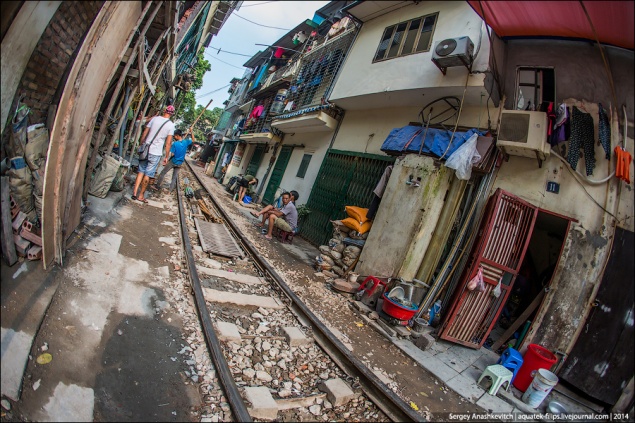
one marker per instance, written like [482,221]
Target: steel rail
[236,402]
[383,397]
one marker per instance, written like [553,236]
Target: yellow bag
[357,213]
[356,226]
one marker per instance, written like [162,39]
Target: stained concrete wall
[579,69]
[360,76]
[580,80]
[406,219]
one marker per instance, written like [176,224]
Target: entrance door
[256,159]
[276,174]
[503,240]
[346,178]
[601,362]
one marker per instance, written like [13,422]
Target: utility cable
[222,61]
[212,92]
[456,125]
[220,50]
[258,4]
[256,23]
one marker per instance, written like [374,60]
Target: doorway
[518,312]
[277,174]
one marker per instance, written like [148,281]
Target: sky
[240,36]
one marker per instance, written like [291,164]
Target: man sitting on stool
[285,218]
[267,209]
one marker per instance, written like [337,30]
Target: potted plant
[303,211]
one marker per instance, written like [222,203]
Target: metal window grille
[317,69]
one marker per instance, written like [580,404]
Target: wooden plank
[8,247]
[97,61]
[518,322]
[215,296]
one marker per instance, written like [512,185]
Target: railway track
[244,294]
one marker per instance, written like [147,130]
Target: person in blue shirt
[178,150]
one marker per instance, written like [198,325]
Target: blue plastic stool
[512,360]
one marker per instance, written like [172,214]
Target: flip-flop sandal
[134,197]
[143,200]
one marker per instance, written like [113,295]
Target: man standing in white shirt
[158,133]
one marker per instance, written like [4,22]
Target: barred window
[304,165]
[404,38]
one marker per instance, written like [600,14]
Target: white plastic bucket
[540,386]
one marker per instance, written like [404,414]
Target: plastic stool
[511,360]
[499,376]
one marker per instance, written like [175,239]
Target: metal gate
[504,238]
[346,178]
[277,174]
[256,159]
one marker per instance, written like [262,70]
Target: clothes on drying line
[581,137]
[561,126]
[604,131]
[623,164]
[257,112]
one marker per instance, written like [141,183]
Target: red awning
[613,20]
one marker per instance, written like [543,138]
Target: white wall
[316,144]
[360,76]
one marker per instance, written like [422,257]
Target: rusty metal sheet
[216,239]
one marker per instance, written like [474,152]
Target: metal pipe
[124,119]
[213,343]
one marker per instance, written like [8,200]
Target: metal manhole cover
[216,239]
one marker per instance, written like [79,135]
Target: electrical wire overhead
[220,50]
[256,23]
[257,4]
[212,92]
[222,61]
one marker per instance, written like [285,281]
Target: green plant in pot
[303,212]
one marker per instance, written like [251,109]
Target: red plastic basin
[535,358]
[397,310]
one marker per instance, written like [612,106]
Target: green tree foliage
[186,108]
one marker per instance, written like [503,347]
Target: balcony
[259,129]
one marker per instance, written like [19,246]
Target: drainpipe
[124,117]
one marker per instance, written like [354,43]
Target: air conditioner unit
[453,52]
[523,133]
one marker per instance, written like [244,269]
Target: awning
[613,20]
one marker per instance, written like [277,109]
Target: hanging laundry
[623,164]
[561,127]
[551,119]
[604,131]
[581,137]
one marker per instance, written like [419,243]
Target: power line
[231,52]
[212,92]
[229,64]
[256,23]
[257,4]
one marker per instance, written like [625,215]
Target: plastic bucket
[540,386]
[535,358]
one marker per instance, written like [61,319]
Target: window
[534,87]
[413,36]
[304,165]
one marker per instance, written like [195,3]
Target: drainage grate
[216,239]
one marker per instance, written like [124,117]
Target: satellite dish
[445,47]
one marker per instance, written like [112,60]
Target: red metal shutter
[504,238]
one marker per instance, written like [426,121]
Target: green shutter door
[277,174]
[345,178]
[256,159]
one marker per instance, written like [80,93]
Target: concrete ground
[111,328]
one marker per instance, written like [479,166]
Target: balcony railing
[317,70]
[262,123]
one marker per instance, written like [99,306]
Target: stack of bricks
[47,70]
[27,240]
